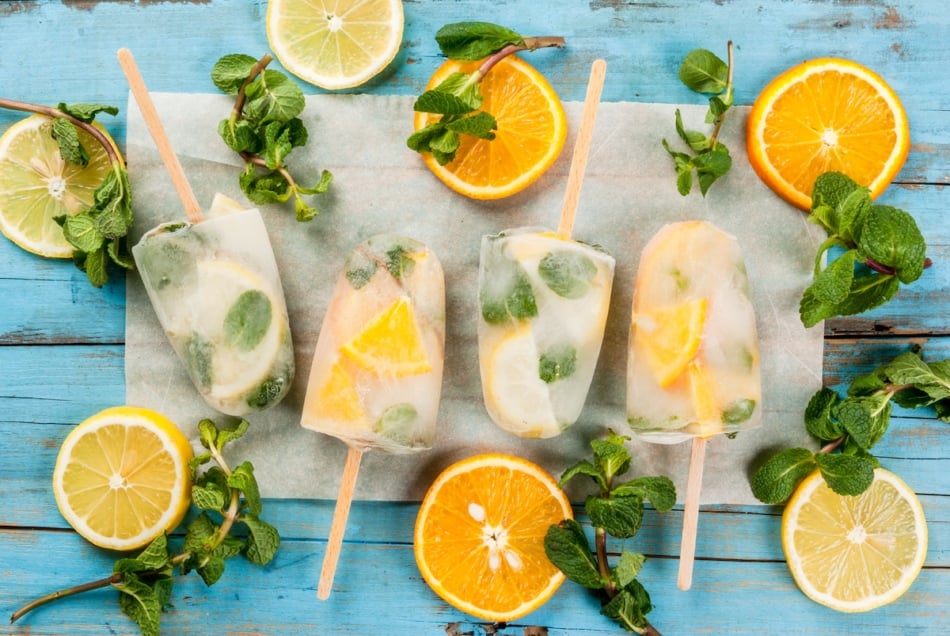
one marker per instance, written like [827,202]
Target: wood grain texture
[62,353]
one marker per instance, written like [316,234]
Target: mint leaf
[481,125]
[506,296]
[86,112]
[140,602]
[457,94]
[262,542]
[628,567]
[557,363]
[891,238]
[659,491]
[833,284]
[67,137]
[208,497]
[777,478]
[703,72]
[629,607]
[611,456]
[567,273]
[237,430]
[474,40]
[566,546]
[231,71]
[584,467]
[619,516]
[242,478]
[818,420]
[846,474]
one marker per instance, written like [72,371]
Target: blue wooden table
[62,351]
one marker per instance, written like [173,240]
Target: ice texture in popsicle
[693,363]
[543,306]
[216,290]
[376,376]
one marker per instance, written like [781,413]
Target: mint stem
[722,118]
[530,44]
[69,591]
[51,112]
[890,271]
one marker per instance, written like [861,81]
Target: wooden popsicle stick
[154,124]
[340,513]
[595,86]
[694,485]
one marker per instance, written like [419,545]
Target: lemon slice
[514,392]
[854,554]
[37,184]
[238,315]
[122,477]
[335,44]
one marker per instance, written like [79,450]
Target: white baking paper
[381,186]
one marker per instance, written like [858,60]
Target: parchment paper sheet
[381,186]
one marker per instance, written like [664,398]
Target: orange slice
[391,343]
[671,336]
[824,115]
[479,537]
[338,398]
[531,131]
[703,393]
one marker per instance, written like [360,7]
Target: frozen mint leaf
[268,392]
[474,40]
[659,491]
[584,467]
[566,546]
[818,420]
[231,71]
[567,273]
[247,320]
[398,423]
[776,479]
[738,411]
[359,269]
[703,72]
[628,567]
[262,540]
[619,516]
[846,474]
[557,363]
[507,294]
[399,262]
[891,238]
[242,478]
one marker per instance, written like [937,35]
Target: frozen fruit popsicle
[543,301]
[693,361]
[543,306]
[376,376]
[693,368]
[215,288]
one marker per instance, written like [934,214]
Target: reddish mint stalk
[530,44]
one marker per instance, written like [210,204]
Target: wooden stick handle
[165,151]
[338,526]
[694,485]
[595,86]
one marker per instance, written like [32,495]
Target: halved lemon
[854,554]
[37,184]
[531,131]
[827,114]
[122,477]
[335,44]
[479,536]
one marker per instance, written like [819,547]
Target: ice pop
[543,301]
[376,376]
[693,362]
[215,288]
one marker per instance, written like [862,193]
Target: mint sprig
[225,497]
[616,510]
[849,427]
[97,233]
[458,97]
[703,71]
[264,128]
[882,249]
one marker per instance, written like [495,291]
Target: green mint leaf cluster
[97,233]
[616,510]
[703,72]
[882,248]
[264,128]
[849,427]
[458,98]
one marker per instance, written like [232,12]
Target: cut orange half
[825,115]
[479,537]
[531,131]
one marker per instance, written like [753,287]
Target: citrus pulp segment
[37,184]
[823,115]
[391,343]
[854,554]
[122,477]
[675,335]
[514,389]
[531,131]
[335,44]
[479,536]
